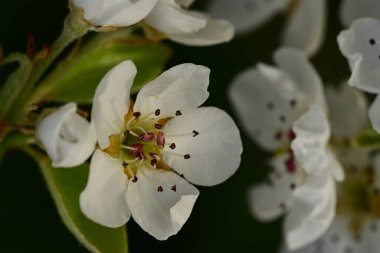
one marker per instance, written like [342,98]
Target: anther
[372,41]
[157,126]
[137,114]
[157,112]
[153,162]
[160,139]
[195,133]
[293,103]
[134,179]
[124,164]
[153,155]
[160,189]
[172,146]
[174,188]
[187,156]
[146,137]
[178,113]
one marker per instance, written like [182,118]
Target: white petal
[337,239]
[270,200]
[160,213]
[103,200]
[111,101]
[68,138]
[351,10]
[310,145]
[214,151]
[374,114]
[115,12]
[246,15]
[164,13]
[348,110]
[306,27]
[215,32]
[305,76]
[183,87]
[361,46]
[312,212]
[267,101]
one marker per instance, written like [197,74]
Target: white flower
[304,28]
[68,138]
[146,146]
[114,13]
[357,227]
[351,10]
[171,18]
[283,109]
[361,44]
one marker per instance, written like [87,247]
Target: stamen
[195,133]
[157,126]
[174,188]
[142,130]
[127,147]
[137,114]
[157,112]
[160,189]
[124,164]
[146,137]
[160,139]
[153,162]
[172,146]
[172,153]
[187,156]
[134,179]
[178,113]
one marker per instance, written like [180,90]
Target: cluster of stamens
[142,143]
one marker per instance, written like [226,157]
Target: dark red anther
[291,135]
[278,135]
[153,162]
[137,114]
[174,188]
[160,139]
[195,133]
[160,189]
[137,150]
[146,137]
[172,146]
[178,113]
[134,179]
[290,165]
[187,156]
[157,112]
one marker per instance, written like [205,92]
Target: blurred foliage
[221,221]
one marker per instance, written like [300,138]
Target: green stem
[368,139]
[73,28]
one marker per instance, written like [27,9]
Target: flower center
[142,141]
[358,198]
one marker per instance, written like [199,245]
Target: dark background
[221,221]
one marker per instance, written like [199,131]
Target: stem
[73,28]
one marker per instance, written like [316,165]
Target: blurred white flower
[146,146]
[284,110]
[356,228]
[114,13]
[171,18]
[304,28]
[68,138]
[360,44]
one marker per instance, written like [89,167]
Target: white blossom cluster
[147,153]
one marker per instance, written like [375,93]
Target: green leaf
[15,81]
[77,77]
[65,186]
